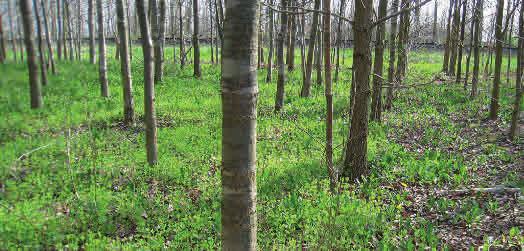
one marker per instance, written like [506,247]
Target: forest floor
[72,176]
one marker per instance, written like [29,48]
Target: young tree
[41,56]
[461,40]
[376,99]
[239,99]
[476,49]
[403,37]
[60,31]
[197,70]
[339,37]
[435,20]
[306,86]
[392,56]
[279,101]
[159,28]
[125,66]
[355,157]
[499,36]
[149,85]
[514,129]
[34,82]
[102,65]
[454,39]
[3,51]
[271,27]
[48,38]
[181,35]
[91,27]
[447,45]
[12,29]
[329,95]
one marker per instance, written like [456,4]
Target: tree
[461,41]
[392,56]
[339,37]
[181,35]
[355,157]
[329,95]
[34,82]
[48,38]
[476,49]
[3,52]
[279,100]
[271,45]
[102,65]
[499,36]
[197,70]
[12,29]
[376,99]
[454,39]
[403,36]
[159,30]
[513,131]
[125,65]
[435,20]
[149,85]
[306,86]
[91,27]
[239,99]
[41,56]
[59,20]
[447,45]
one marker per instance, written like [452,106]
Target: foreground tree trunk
[403,35]
[41,56]
[149,85]
[197,70]
[279,101]
[329,95]
[102,65]
[476,50]
[376,99]
[355,157]
[34,83]
[514,129]
[306,86]
[239,99]
[499,36]
[91,27]
[392,56]
[125,66]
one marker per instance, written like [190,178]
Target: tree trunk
[514,129]
[306,87]
[211,31]
[34,81]
[376,99]
[125,65]
[159,31]
[59,39]
[402,44]
[392,56]
[329,95]
[149,85]
[48,38]
[12,30]
[435,20]
[454,39]
[471,40]
[509,43]
[269,67]
[102,66]
[91,26]
[197,70]
[318,56]
[355,157]
[67,15]
[279,101]
[476,49]
[339,37]
[3,51]
[499,35]
[461,41]
[239,99]
[181,30]
[292,41]
[447,45]
[41,55]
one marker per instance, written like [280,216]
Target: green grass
[93,189]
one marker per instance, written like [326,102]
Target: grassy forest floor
[72,176]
